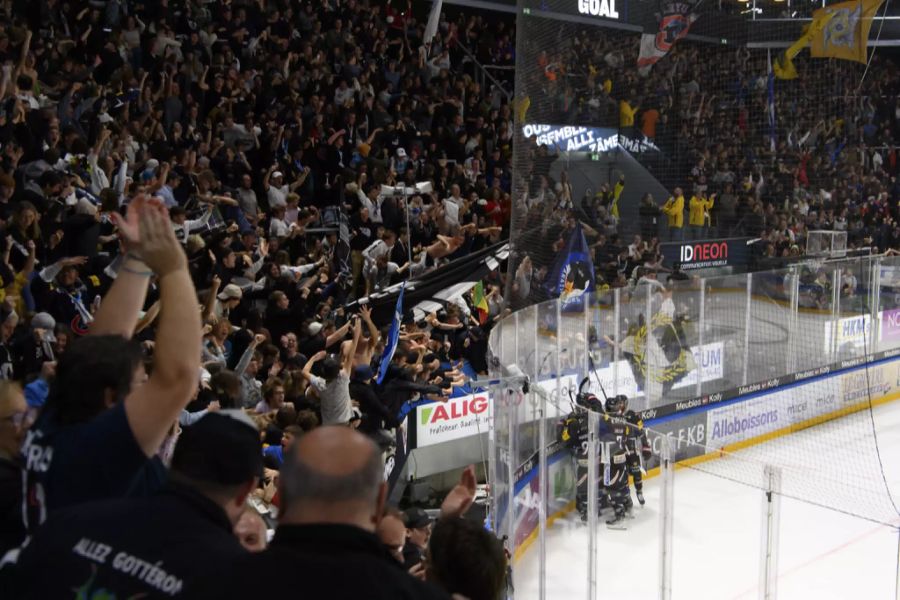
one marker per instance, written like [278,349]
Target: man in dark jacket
[153,547]
[332,497]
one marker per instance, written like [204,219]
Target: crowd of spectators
[833,164]
[192,193]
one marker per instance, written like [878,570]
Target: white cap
[277,174]
[401,152]
[314,328]
[231,292]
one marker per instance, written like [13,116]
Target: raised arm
[374,334]
[242,365]
[347,365]
[337,336]
[118,315]
[148,318]
[210,304]
[153,407]
[306,373]
[26,48]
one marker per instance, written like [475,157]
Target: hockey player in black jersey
[637,446]
[575,435]
[615,479]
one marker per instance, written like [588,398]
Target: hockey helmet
[589,401]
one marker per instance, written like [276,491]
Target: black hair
[90,367]
[464,558]
[227,388]
[330,368]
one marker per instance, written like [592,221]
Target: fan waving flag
[431,26]
[842,30]
[480,302]
[393,338]
[672,23]
[573,274]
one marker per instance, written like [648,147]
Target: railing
[482,73]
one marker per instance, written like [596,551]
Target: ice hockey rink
[822,554]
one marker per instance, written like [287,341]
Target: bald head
[333,475]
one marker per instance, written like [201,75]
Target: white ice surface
[823,554]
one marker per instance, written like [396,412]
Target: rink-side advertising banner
[852,335]
[686,435]
[890,325]
[526,492]
[466,416]
[732,252]
[850,365]
[572,138]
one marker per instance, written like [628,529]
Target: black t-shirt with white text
[67,465]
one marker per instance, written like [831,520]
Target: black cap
[415,518]
[222,448]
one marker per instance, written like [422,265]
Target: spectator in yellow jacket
[617,191]
[698,214]
[674,209]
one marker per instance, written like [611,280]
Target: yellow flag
[783,65]
[845,33]
[521,107]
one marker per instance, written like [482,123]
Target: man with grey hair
[332,499]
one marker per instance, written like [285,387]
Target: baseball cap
[222,447]
[314,328]
[416,518]
[151,165]
[401,152]
[231,292]
[277,174]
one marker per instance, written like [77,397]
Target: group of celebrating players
[623,449]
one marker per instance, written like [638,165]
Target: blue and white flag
[393,338]
[770,104]
[431,26]
[572,276]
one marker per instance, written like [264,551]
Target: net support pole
[747,308]
[835,310]
[617,337]
[515,400]
[897,572]
[586,332]
[771,516]
[536,360]
[666,517]
[592,502]
[700,337]
[649,369]
[875,296]
[792,320]
[512,458]
[542,493]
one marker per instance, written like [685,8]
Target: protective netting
[601,144]
[745,377]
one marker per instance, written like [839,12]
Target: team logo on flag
[671,29]
[575,280]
